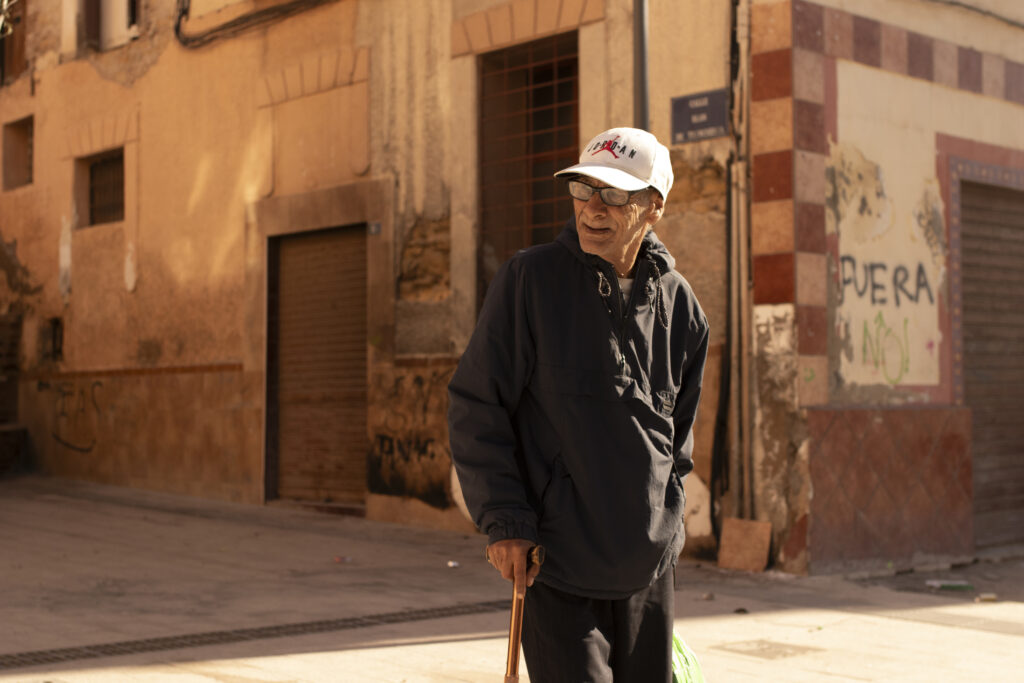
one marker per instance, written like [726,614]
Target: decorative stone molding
[519,21]
[315,73]
[842,35]
[102,133]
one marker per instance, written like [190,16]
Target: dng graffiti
[404,450]
[409,452]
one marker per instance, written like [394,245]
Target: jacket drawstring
[658,301]
[654,292]
[604,288]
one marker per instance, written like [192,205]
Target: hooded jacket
[571,413]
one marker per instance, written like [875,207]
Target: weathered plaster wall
[197,431]
[684,56]
[695,230]
[892,488]
[885,208]
[159,385]
[891,272]
[410,142]
[780,479]
[409,453]
[851,269]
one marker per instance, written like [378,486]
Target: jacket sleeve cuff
[502,532]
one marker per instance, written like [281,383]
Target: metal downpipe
[641,118]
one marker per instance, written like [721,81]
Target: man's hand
[510,558]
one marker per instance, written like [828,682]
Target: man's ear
[656,209]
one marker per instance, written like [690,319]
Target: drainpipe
[640,98]
[740,308]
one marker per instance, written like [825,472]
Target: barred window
[106,188]
[17,152]
[529,128]
[99,188]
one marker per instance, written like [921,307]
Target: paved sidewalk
[106,584]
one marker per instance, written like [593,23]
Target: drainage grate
[130,647]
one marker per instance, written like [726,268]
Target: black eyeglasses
[612,196]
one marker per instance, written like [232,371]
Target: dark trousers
[571,639]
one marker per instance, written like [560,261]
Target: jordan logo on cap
[612,147]
[608,146]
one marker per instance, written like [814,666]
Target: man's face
[615,232]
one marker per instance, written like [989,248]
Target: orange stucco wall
[162,376]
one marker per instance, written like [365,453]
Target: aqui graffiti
[887,349]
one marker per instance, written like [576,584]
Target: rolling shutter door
[321,366]
[992,220]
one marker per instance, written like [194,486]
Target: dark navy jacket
[571,415]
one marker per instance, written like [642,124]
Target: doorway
[316,367]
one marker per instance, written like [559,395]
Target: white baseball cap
[627,158]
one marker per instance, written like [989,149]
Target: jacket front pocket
[569,381]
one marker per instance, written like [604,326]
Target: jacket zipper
[625,308]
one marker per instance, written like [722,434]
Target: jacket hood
[651,248]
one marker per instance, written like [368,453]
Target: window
[99,188]
[52,341]
[529,128]
[17,151]
[110,23]
[12,56]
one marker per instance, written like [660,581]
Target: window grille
[106,188]
[529,128]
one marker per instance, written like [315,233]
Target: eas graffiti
[76,412]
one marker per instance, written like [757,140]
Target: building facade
[245,243]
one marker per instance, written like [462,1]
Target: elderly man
[571,416]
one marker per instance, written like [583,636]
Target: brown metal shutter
[992,221]
[320,354]
[10,344]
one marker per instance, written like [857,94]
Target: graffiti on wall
[409,453]
[872,280]
[77,409]
[885,340]
[889,275]
[424,273]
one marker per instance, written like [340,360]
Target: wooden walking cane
[515,629]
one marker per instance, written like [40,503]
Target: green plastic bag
[685,667]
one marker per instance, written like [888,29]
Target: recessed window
[53,340]
[17,151]
[110,23]
[529,128]
[99,190]
[12,43]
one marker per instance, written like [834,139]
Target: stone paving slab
[82,564]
